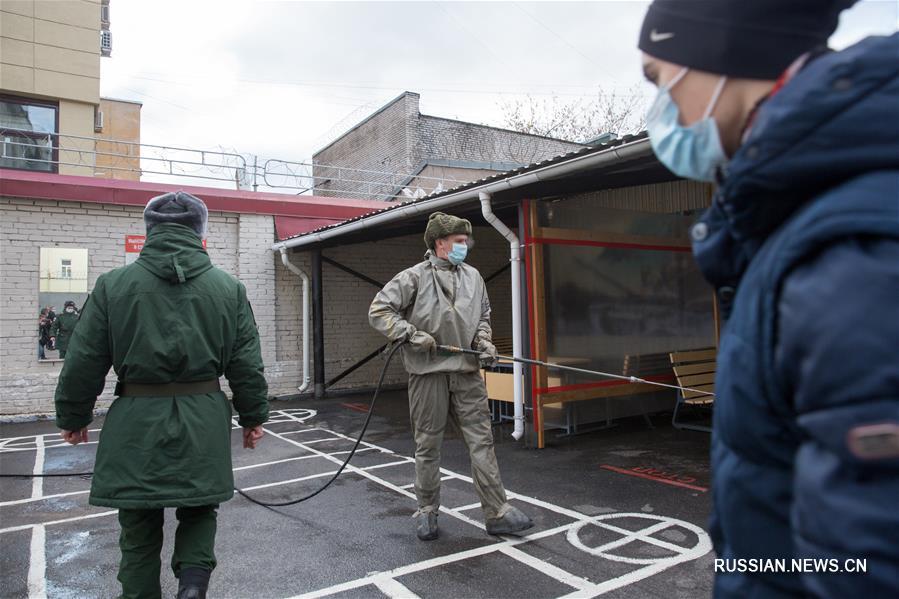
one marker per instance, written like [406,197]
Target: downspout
[293,268]
[515,259]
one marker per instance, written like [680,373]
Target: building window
[28,129]
[65,271]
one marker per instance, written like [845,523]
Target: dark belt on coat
[166,389]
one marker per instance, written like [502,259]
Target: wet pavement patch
[596,532]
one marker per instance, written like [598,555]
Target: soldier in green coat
[170,325]
[63,326]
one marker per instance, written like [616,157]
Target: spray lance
[451,349]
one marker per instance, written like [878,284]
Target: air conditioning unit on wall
[105,42]
[98,121]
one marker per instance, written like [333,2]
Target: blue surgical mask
[458,253]
[693,152]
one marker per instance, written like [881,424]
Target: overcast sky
[282,79]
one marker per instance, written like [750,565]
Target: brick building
[51,112]
[607,279]
[39,210]
[397,147]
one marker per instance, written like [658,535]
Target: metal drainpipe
[295,270]
[515,258]
[318,325]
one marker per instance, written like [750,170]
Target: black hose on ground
[371,409]
[346,462]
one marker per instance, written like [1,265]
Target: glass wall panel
[582,214]
[622,309]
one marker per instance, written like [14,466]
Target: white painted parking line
[42,498]
[429,563]
[642,535]
[509,546]
[302,457]
[56,445]
[239,468]
[5,440]
[411,485]
[393,589]
[37,564]
[321,475]
[583,588]
[361,444]
[290,481]
[37,483]
[55,522]
[299,432]
[314,441]
[547,568]
[380,481]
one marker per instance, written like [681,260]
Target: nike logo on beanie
[655,36]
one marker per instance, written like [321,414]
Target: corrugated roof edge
[497,177]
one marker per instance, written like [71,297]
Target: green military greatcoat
[63,328]
[168,317]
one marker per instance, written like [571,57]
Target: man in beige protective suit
[444,301]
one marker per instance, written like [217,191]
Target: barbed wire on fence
[226,167]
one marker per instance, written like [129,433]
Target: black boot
[192,583]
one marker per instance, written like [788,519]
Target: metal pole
[318,325]
[530,440]
[255,166]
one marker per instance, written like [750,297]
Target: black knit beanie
[180,208]
[747,39]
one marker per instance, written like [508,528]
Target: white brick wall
[348,336]
[240,245]
[256,270]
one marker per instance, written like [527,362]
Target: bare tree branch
[577,120]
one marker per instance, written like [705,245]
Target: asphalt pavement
[618,513]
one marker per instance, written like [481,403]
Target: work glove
[487,358]
[421,342]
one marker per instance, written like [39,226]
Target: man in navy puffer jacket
[802,245]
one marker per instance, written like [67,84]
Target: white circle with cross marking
[682,554]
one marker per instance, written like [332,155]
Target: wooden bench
[694,369]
